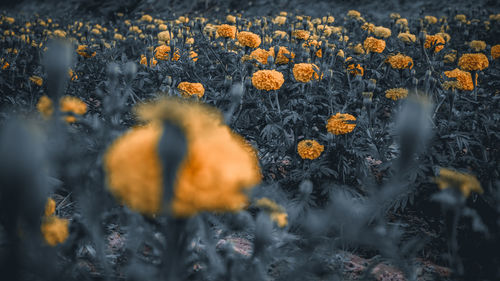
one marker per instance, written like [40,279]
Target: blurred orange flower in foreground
[220,166]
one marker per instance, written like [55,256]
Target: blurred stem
[176,243]
[270,101]
[474,83]
[455,262]
[278,106]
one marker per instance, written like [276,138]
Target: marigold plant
[162,52]
[284,56]
[50,207]
[45,106]
[37,80]
[356,69]
[164,37]
[73,105]
[465,183]
[261,55]
[83,50]
[276,212]
[188,89]
[309,149]
[341,123]
[434,40]
[226,31]
[373,44]
[473,62]
[400,61]
[407,37]
[54,230]
[249,39]
[305,72]
[477,45]
[217,170]
[301,34]
[495,52]
[463,79]
[267,80]
[382,32]
[396,93]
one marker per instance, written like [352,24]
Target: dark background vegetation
[414,224]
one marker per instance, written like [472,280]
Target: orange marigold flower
[396,93]
[477,45]
[463,82]
[461,17]
[37,80]
[358,49]
[218,169]
[267,80]
[261,55]
[144,61]
[281,219]
[373,44]
[400,61]
[83,51]
[465,183]
[301,34]
[431,19]
[193,55]
[138,186]
[73,105]
[188,89]
[305,72]
[450,57]
[164,37]
[309,149]
[341,123]
[276,212]
[446,36]
[162,52]
[402,22]
[226,31]
[5,65]
[407,37]
[50,207]
[382,32]
[54,230]
[249,39]
[231,18]
[434,40]
[370,27]
[279,33]
[473,62]
[45,106]
[72,75]
[495,52]
[283,56]
[356,69]
[279,20]
[354,14]
[146,18]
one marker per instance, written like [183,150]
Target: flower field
[226,144]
